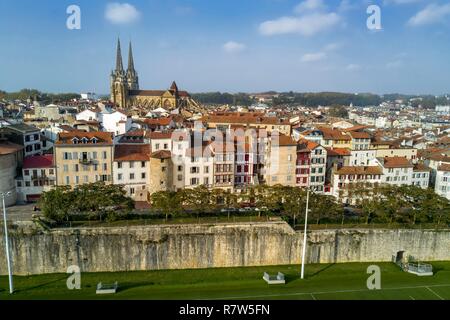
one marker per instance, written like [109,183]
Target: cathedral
[126,94]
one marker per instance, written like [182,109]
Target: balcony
[87,162]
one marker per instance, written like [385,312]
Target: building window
[120,177]
[26,172]
[105,166]
[132,191]
[119,165]
[105,155]
[131,176]
[143,164]
[143,175]
[131,165]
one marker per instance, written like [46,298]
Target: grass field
[330,281]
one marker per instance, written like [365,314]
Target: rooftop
[7,147]
[137,152]
[372,170]
[38,161]
[70,138]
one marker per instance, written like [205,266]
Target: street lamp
[8,258]
[308,192]
[304,234]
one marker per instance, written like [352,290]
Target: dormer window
[94,140]
[84,140]
[75,141]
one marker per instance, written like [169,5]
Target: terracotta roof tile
[372,170]
[396,162]
[67,137]
[138,152]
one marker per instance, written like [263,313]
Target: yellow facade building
[83,157]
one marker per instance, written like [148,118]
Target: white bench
[107,288]
[278,279]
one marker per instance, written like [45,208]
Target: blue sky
[229,45]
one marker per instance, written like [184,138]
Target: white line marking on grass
[329,292]
[435,293]
[314,298]
[412,298]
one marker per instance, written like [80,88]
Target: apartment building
[303,166]
[281,162]
[27,136]
[84,157]
[421,176]
[160,140]
[335,138]
[223,165]
[38,176]
[131,168]
[318,167]
[396,170]
[408,153]
[346,179]
[198,167]
[161,171]
[442,184]
[181,141]
[245,166]
[336,158]
[361,154]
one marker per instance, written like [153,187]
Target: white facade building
[198,167]
[396,170]
[115,122]
[421,176]
[442,185]
[131,168]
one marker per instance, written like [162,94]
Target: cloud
[310,5]
[433,13]
[121,13]
[307,25]
[313,57]
[233,47]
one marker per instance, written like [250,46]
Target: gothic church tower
[132,77]
[119,85]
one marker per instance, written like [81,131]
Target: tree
[324,207]
[167,202]
[56,204]
[96,200]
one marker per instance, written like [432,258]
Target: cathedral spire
[130,59]
[119,63]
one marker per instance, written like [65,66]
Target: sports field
[330,282]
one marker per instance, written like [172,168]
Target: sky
[229,45]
